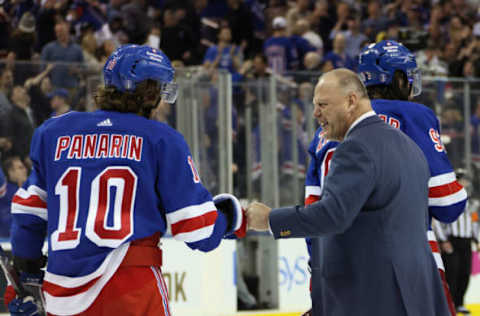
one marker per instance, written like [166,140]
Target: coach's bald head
[346,81]
[339,98]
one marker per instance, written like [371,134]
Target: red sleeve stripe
[457,197]
[434,246]
[31,201]
[190,211]
[195,223]
[444,190]
[311,199]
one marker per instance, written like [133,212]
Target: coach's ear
[352,102]
[236,217]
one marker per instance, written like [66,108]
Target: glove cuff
[32,266]
[237,208]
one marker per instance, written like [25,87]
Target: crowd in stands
[52,53]
[49,48]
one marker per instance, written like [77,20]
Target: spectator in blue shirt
[353,37]
[338,57]
[224,55]
[63,50]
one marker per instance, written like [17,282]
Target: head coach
[373,214]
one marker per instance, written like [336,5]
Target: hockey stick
[12,277]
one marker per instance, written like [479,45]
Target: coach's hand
[257,216]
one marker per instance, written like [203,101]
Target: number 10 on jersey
[67,235]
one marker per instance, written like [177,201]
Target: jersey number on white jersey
[67,235]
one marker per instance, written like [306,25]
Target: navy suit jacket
[373,256]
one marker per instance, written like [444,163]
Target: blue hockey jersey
[101,180]
[281,54]
[447,198]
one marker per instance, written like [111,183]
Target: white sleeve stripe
[312,190]
[32,190]
[439,230]
[442,179]
[195,235]
[449,199]
[438,261]
[21,192]
[190,212]
[431,235]
[22,209]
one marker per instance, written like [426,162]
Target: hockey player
[389,71]
[114,181]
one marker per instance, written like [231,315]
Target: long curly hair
[141,101]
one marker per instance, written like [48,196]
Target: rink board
[204,284]
[200,284]
[475,309]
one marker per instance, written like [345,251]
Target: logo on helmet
[155,56]
[365,76]
[362,77]
[111,64]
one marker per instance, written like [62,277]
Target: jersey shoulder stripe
[30,201]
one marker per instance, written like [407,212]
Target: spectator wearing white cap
[281,53]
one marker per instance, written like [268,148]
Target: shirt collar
[359,119]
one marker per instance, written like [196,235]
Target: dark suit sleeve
[347,187]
